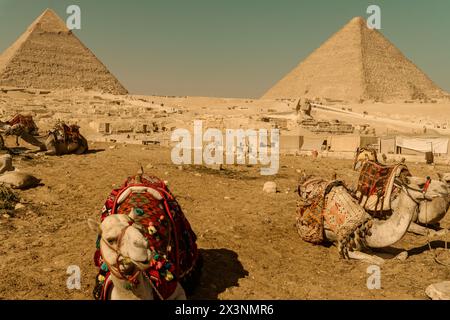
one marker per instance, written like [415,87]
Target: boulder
[270,187]
[6,163]
[439,291]
[19,180]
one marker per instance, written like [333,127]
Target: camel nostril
[127,267]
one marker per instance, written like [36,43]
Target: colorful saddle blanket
[25,123]
[376,185]
[67,133]
[170,235]
[310,209]
[328,205]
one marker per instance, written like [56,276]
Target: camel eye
[111,240]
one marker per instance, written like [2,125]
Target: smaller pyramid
[356,64]
[49,56]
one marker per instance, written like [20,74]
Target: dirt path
[250,245]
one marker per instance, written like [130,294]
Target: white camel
[126,251]
[347,223]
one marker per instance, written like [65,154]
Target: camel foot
[386,254]
[358,255]
[440,233]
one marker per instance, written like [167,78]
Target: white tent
[437,145]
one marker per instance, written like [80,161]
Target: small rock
[270,187]
[402,256]
[19,206]
[226,198]
[112,147]
[149,166]
[7,216]
[47,269]
[197,174]
[180,168]
[439,291]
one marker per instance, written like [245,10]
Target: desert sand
[251,247]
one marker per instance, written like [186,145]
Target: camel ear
[94,226]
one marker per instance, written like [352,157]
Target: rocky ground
[248,238]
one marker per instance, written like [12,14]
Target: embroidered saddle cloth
[67,133]
[327,205]
[376,185]
[310,219]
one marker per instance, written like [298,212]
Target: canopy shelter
[422,145]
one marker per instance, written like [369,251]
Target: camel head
[444,177]
[123,245]
[432,197]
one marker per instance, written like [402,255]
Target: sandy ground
[251,248]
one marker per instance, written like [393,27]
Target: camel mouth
[127,269]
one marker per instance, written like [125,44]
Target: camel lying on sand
[62,139]
[328,212]
[146,248]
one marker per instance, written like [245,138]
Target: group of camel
[62,139]
[386,203]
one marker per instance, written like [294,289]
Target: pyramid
[356,64]
[49,56]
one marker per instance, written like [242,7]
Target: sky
[230,48]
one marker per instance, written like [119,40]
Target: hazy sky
[231,48]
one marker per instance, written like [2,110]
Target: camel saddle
[310,208]
[67,133]
[26,123]
[376,187]
[169,233]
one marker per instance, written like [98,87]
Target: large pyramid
[49,56]
[356,64]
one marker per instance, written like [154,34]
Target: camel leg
[424,231]
[372,259]
[33,141]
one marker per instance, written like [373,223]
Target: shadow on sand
[221,270]
[94,151]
